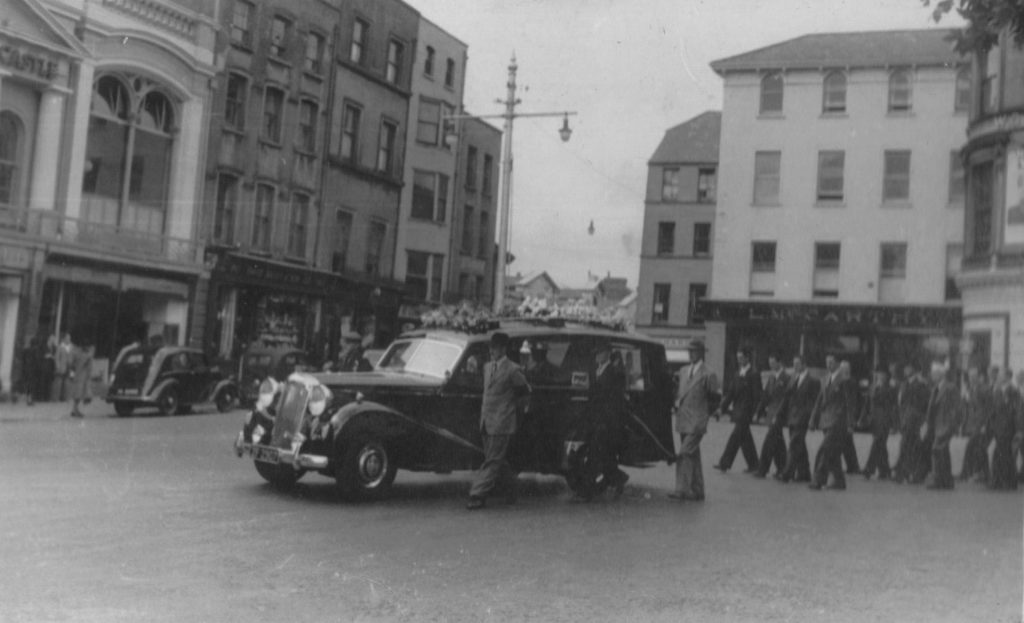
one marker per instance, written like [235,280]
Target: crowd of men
[985,406]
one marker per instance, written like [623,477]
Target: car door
[648,387]
[461,398]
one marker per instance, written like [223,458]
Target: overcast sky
[631,69]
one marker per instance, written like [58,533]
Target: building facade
[840,214]
[679,214]
[992,277]
[426,218]
[102,132]
[475,213]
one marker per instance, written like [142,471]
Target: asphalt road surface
[154,519]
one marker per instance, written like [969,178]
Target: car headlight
[257,433]
[318,400]
[265,397]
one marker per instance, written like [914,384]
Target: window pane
[962,97]
[771,93]
[697,293]
[224,211]
[273,104]
[896,184]
[429,122]
[234,105]
[660,304]
[105,158]
[436,276]
[894,259]
[706,186]
[449,73]
[350,133]
[374,247]
[263,217]
[442,199]
[151,162]
[701,238]
[956,177]
[423,195]
[826,255]
[766,177]
[342,234]
[666,238]
[670,184]
[468,235]
[307,126]
[279,37]
[763,257]
[358,37]
[314,50]
[899,91]
[486,246]
[830,175]
[416,267]
[835,92]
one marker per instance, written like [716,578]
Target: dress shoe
[802,479]
[866,475]
[758,475]
[780,478]
[836,487]
[620,485]
[476,504]
[720,467]
[815,486]
[752,470]
[853,472]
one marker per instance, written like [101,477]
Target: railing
[160,14]
[57,228]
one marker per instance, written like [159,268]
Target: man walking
[803,393]
[976,426]
[913,405]
[608,403]
[943,415]
[849,449]
[1004,426]
[773,399]
[742,397]
[832,413]
[504,383]
[698,387]
[881,417]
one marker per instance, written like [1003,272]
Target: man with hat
[504,384]
[608,407]
[698,391]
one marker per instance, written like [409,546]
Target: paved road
[154,519]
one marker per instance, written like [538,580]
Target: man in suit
[803,393]
[912,401]
[976,426]
[1005,426]
[832,413]
[698,389]
[504,384]
[849,448]
[608,409]
[881,416]
[773,399]
[943,418]
[742,398]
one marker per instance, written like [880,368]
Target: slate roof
[879,48]
[693,141]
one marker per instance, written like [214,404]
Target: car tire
[225,400]
[366,470]
[281,477]
[168,403]
[123,409]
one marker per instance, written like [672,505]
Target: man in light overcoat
[698,391]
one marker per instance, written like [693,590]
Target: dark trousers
[923,464]
[798,464]
[850,454]
[829,459]
[942,464]
[773,450]
[1003,464]
[878,458]
[495,473]
[976,458]
[907,459]
[689,474]
[740,439]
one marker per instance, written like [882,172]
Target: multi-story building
[103,111]
[840,211]
[474,213]
[305,172]
[992,276]
[679,214]
[426,218]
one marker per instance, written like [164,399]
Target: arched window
[128,154]
[11,147]
[899,91]
[771,93]
[962,98]
[834,93]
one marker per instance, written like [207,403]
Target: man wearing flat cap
[504,384]
[698,390]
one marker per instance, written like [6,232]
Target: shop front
[865,335]
[15,264]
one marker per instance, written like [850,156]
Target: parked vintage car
[170,378]
[258,363]
[419,409]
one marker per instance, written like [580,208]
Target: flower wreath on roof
[469,318]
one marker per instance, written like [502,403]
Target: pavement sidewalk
[48,411]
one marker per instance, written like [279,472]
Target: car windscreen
[421,356]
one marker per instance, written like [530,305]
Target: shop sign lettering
[27,62]
[15,257]
[920,317]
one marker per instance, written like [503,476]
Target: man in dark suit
[803,393]
[913,405]
[881,417]
[698,389]
[943,418]
[742,397]
[1005,427]
[504,384]
[608,409]
[833,412]
[849,448]
[773,398]
[976,426]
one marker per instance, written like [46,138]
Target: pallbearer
[881,416]
[773,398]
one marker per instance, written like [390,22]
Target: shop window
[386,147]
[666,238]
[701,239]
[771,93]
[350,133]
[308,114]
[429,196]
[834,93]
[263,217]
[11,141]
[298,225]
[428,121]
[896,181]
[273,110]
[314,52]
[830,175]
[706,186]
[962,94]
[488,175]
[486,246]
[428,62]
[471,167]
[698,291]
[234,102]
[659,308]
[225,208]
[900,91]
[956,178]
[242,13]
[449,73]
[280,32]
[131,127]
[826,270]
[393,70]
[357,52]
[375,247]
[767,168]
[670,184]
[342,234]
[423,275]
[468,236]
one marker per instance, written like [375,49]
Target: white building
[840,208]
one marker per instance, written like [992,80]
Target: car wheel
[225,400]
[123,409]
[280,476]
[366,470]
[168,402]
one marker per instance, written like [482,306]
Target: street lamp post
[505,204]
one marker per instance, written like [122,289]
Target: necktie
[691,373]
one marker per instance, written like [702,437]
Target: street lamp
[510,114]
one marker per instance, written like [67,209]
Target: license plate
[266,455]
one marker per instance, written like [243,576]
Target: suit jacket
[1007,406]
[800,400]
[608,394]
[504,383]
[743,396]
[913,403]
[880,410]
[835,407]
[773,399]
[980,405]
[694,399]
[944,410]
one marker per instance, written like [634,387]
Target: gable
[29,21]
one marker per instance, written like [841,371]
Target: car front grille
[290,413]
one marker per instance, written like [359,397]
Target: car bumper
[289,457]
[139,401]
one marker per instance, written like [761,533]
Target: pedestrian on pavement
[912,401]
[1005,427]
[698,391]
[608,411]
[881,416]
[80,377]
[504,384]
[979,409]
[803,393]
[742,397]
[62,368]
[849,448]
[47,371]
[832,413]
[773,399]
[944,411]
[31,369]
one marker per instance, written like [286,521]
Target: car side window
[632,360]
[469,374]
[543,361]
[179,362]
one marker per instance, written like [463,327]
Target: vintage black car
[258,363]
[419,409]
[170,378]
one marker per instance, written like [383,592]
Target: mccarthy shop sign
[27,62]
[872,315]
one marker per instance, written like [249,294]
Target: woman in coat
[80,372]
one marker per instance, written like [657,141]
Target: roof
[531,277]
[695,140]
[880,48]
